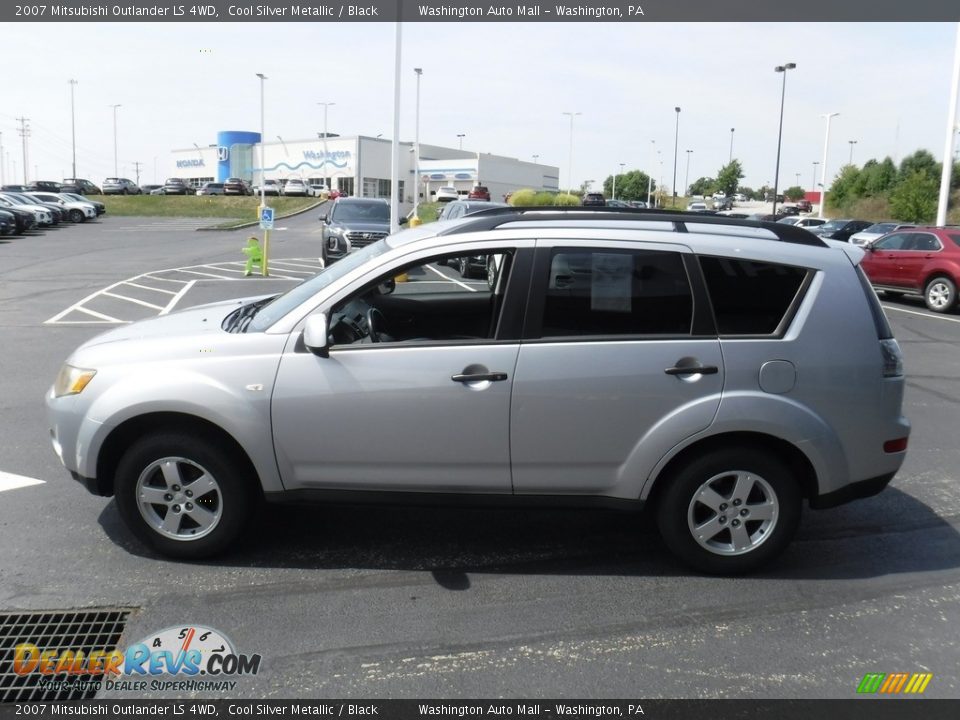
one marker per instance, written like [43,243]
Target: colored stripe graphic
[894,683]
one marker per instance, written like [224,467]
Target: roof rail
[495,217]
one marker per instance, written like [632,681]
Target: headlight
[72,380]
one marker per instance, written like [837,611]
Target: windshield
[24,199]
[283,304]
[361,212]
[882,228]
[112,180]
[834,225]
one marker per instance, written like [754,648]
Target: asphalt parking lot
[411,603]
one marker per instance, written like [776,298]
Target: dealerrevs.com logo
[191,658]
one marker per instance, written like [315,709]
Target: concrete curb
[252,223]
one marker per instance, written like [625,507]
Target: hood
[195,321]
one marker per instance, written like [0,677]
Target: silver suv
[706,366]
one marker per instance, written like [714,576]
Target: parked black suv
[353,223]
[44,186]
[79,185]
[594,199]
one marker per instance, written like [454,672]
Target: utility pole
[136,167]
[24,131]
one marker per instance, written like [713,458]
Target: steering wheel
[375,319]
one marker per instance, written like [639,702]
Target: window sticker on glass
[610,282]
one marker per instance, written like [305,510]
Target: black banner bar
[859,11]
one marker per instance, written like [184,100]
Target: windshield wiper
[238,320]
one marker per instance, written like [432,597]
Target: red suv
[923,260]
[479,192]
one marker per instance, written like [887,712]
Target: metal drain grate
[76,631]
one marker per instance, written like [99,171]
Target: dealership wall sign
[191,163]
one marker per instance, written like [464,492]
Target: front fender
[242,411]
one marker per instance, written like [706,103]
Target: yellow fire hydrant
[254,254]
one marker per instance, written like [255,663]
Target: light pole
[783,93]
[263,204]
[653,146]
[614,191]
[813,184]
[946,173]
[823,165]
[460,137]
[852,143]
[686,180]
[798,179]
[326,158]
[416,150]
[73,129]
[535,158]
[115,172]
[676,140]
[730,159]
[570,163]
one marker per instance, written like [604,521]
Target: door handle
[693,370]
[479,377]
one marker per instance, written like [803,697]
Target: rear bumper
[851,492]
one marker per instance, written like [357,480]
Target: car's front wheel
[77,216]
[940,295]
[729,511]
[182,495]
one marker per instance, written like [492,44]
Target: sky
[504,86]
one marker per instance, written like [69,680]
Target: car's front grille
[362,239]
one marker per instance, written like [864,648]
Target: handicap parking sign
[266,218]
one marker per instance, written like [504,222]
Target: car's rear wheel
[182,495]
[940,295]
[730,511]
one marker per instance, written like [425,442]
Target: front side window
[442,299]
[598,293]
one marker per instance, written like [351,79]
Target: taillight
[895,446]
[892,358]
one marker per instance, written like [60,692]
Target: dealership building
[358,166]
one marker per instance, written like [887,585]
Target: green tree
[914,199]
[728,178]
[878,178]
[631,185]
[920,161]
[703,186]
[844,187]
[794,193]
[747,192]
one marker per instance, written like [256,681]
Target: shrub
[914,199]
[566,199]
[524,197]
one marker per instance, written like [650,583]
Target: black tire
[940,294]
[235,500]
[77,216]
[677,510]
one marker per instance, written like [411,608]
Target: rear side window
[616,292]
[749,297]
[955,237]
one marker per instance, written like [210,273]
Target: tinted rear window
[748,297]
[955,237]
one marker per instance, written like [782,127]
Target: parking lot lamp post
[570,160]
[947,170]
[798,178]
[326,159]
[653,145]
[686,180]
[460,137]
[813,184]
[730,159]
[115,171]
[783,93]
[263,203]
[852,143]
[676,140]
[614,192]
[73,131]
[823,165]
[416,150]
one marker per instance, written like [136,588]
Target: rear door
[921,249]
[612,352]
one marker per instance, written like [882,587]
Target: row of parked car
[23,211]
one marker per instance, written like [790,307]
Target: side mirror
[323,218]
[404,221]
[315,335]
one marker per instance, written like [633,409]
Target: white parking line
[94,313]
[147,287]
[209,275]
[9,481]
[133,300]
[285,263]
[176,298]
[450,279]
[922,314]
